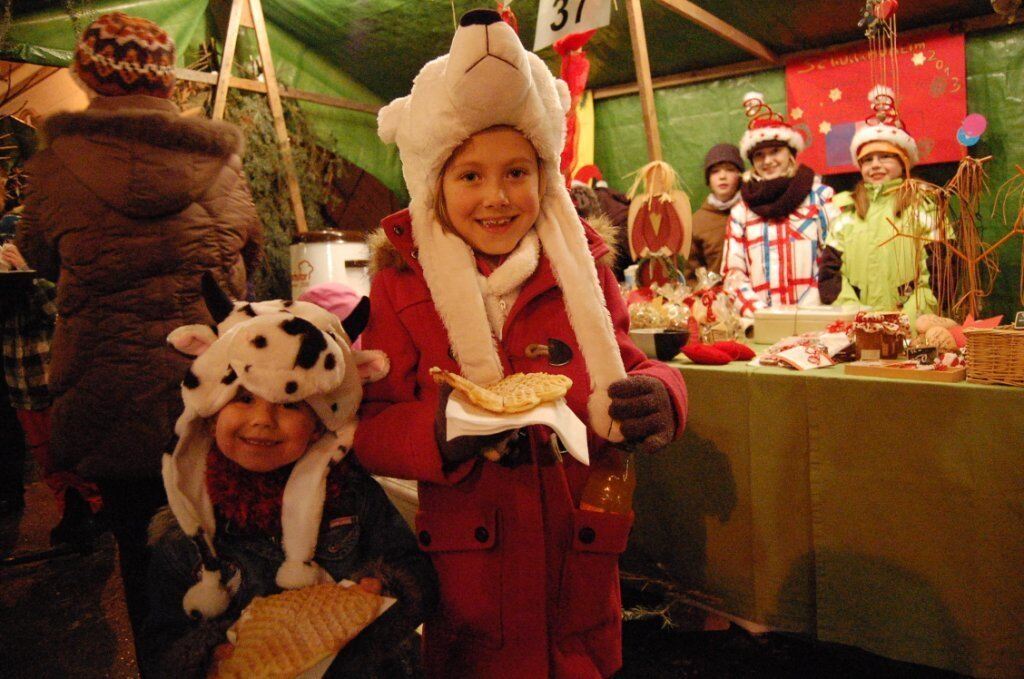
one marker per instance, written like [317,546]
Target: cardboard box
[774,323]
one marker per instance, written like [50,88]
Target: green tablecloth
[885,514]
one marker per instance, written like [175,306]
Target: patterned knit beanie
[119,55]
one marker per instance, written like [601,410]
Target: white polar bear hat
[488,79]
[282,352]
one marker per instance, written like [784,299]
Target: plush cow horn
[217,301]
[356,321]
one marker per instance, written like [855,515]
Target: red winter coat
[529,583]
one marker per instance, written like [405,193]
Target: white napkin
[465,419]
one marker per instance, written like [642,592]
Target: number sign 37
[559,18]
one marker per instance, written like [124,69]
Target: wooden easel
[249,13]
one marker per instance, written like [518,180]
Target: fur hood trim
[384,254]
[162,524]
[147,123]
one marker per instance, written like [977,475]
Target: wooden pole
[643,76]
[274,97]
[227,60]
[286,92]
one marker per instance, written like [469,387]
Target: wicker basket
[995,356]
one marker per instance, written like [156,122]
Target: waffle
[516,393]
[285,634]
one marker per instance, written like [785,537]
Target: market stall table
[880,513]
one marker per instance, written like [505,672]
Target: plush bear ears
[389,118]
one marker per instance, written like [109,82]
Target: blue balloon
[966,139]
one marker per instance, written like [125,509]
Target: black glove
[464,448]
[642,407]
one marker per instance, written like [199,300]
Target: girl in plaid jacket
[778,228]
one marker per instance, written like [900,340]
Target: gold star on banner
[797,113]
[836,94]
[918,59]
[825,127]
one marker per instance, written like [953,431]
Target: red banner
[828,100]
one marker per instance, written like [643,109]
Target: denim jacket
[364,537]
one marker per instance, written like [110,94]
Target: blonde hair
[861,201]
[441,207]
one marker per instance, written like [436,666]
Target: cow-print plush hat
[282,352]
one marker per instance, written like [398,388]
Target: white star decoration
[918,59]
[797,113]
[825,127]
[836,94]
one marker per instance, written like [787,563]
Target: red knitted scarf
[251,501]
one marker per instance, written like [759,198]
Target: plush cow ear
[192,340]
[372,365]
[217,301]
[356,321]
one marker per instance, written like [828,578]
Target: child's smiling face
[262,436]
[772,162]
[878,167]
[491,190]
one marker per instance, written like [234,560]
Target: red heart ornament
[885,9]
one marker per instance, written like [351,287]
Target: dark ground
[651,652]
[66,618]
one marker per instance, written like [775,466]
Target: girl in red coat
[490,272]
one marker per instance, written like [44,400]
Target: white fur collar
[502,287]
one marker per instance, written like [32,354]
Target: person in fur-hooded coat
[129,203]
[126,206]
[528,579]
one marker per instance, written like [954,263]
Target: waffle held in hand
[283,635]
[515,393]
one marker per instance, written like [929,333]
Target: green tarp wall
[49,38]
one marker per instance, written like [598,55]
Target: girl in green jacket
[876,253]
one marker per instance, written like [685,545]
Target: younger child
[856,267]
[263,496]
[723,168]
[491,272]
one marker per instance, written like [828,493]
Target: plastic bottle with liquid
[611,483]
